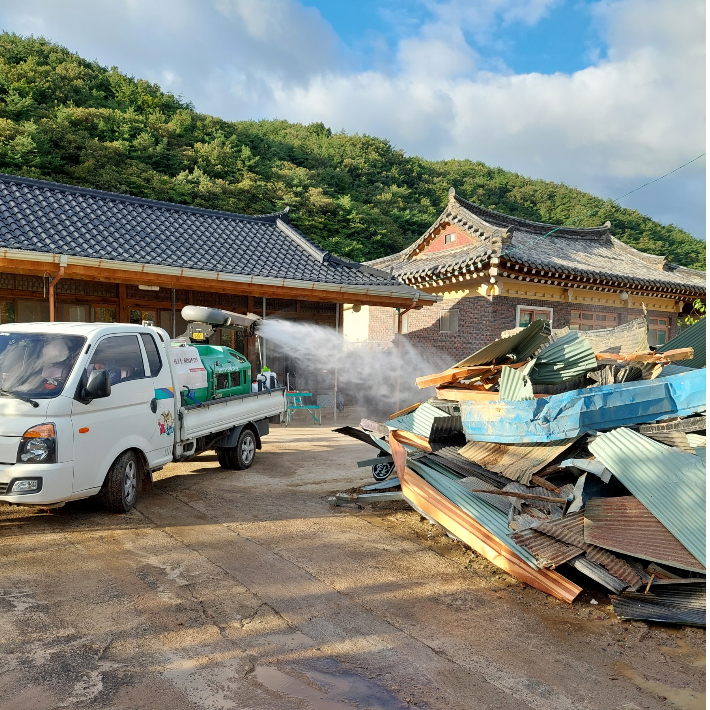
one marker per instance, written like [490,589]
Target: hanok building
[74,254]
[494,272]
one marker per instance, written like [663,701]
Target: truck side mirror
[97,386]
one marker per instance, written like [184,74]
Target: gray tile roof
[61,219]
[590,252]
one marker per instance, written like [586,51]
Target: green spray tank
[208,372]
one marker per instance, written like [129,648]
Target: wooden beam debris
[661,358]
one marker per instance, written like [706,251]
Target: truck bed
[221,414]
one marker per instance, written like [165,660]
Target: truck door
[160,446]
[106,427]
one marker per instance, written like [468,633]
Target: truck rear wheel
[121,485]
[242,455]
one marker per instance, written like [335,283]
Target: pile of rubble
[548,449]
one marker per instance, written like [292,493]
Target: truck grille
[3,487]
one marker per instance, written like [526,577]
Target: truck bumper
[56,483]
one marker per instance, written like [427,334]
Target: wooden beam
[668,356]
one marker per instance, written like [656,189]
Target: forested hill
[66,119]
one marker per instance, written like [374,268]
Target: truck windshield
[37,364]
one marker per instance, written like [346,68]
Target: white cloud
[624,119]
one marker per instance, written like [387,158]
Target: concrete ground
[228,589]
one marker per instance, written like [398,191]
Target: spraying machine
[210,372]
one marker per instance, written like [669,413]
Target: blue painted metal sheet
[570,414]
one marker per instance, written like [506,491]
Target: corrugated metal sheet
[597,408]
[426,499]
[692,337]
[501,502]
[625,525]
[520,346]
[669,482]
[548,551]
[598,574]
[450,457]
[430,422]
[671,604]
[515,385]
[565,359]
[631,337]
[571,530]
[517,462]
[486,515]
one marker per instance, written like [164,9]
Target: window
[449,238]
[658,331]
[235,379]
[121,356]
[527,314]
[223,381]
[449,321]
[151,350]
[589,320]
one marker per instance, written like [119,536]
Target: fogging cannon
[202,321]
[207,372]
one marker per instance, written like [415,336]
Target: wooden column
[123,314]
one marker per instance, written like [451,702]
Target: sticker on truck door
[165,423]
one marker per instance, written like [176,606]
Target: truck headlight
[38,445]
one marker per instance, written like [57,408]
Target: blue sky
[603,95]
[565,39]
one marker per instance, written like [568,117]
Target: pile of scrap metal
[546,451]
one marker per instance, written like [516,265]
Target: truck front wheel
[242,455]
[119,490]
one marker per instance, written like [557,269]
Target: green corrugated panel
[515,385]
[428,421]
[566,358]
[692,337]
[669,482]
[521,346]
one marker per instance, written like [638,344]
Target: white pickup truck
[73,426]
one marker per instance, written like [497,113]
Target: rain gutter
[389,291]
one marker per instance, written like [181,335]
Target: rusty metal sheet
[669,482]
[571,530]
[518,462]
[625,525]
[547,551]
[674,604]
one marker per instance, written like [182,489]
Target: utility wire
[596,209]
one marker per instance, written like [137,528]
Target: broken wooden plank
[453,375]
[539,481]
[668,356]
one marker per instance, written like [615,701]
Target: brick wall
[481,321]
